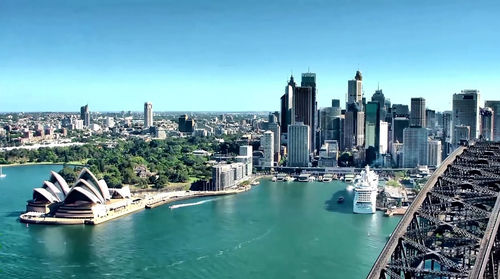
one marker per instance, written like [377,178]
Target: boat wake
[189,204]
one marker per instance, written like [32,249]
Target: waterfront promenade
[148,201]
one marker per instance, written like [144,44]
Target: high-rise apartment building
[286,106]
[298,145]
[148,115]
[466,111]
[417,113]
[275,128]
[267,145]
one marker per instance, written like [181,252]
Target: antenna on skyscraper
[378,85]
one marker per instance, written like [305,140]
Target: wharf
[396,211]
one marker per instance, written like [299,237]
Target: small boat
[2,175]
[348,178]
[327,177]
[340,200]
[255,183]
[274,179]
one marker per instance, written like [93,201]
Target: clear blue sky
[237,55]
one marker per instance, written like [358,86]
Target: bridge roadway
[451,229]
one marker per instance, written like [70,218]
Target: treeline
[169,160]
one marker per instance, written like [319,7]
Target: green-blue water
[276,230]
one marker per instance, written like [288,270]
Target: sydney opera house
[87,198]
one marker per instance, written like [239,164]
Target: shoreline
[41,164]
[146,203]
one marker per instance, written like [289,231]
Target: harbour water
[276,230]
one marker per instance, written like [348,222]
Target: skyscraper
[275,128]
[309,80]
[466,111]
[434,153]
[487,120]
[398,126]
[355,89]
[85,115]
[286,105]
[495,105]
[148,115]
[379,97]
[267,144]
[414,147]
[417,113]
[303,109]
[372,125]
[298,145]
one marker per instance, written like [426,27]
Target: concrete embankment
[149,203]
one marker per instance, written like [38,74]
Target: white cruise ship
[365,192]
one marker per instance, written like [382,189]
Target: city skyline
[115,56]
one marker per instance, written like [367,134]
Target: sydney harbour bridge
[451,229]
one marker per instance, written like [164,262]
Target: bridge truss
[451,229]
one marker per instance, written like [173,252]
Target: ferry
[327,177]
[306,177]
[365,192]
[349,178]
[282,177]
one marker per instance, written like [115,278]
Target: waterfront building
[309,80]
[495,106]
[246,157]
[275,128]
[466,111]
[417,113]
[88,198]
[148,115]
[298,145]
[398,126]
[487,123]
[328,154]
[53,191]
[434,153]
[85,115]
[372,125]
[397,154]
[414,147]
[225,176]
[267,145]
[461,133]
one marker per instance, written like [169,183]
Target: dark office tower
[487,120]
[398,125]
[466,111]
[85,115]
[379,97]
[336,103]
[430,118]
[328,123]
[417,113]
[399,110]
[309,80]
[446,138]
[286,105]
[353,127]
[495,106]
[372,125]
[303,109]
[186,124]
